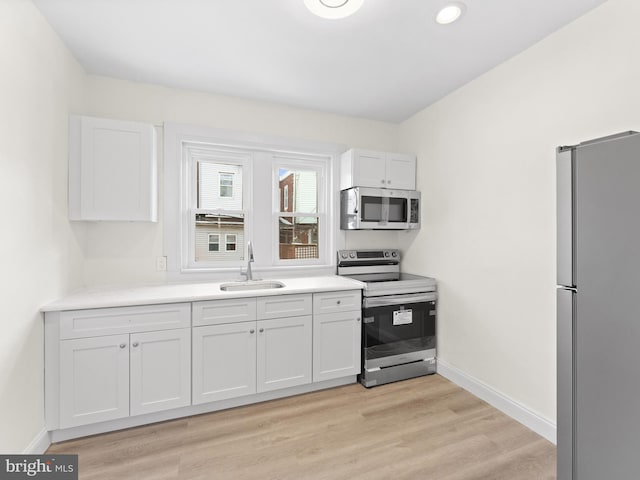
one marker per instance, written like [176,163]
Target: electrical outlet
[161,264]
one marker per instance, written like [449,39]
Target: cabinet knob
[135,344]
[358,319]
[122,345]
[252,331]
[261,330]
[382,181]
[338,302]
[388,181]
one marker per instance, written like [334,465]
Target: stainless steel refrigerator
[598,325]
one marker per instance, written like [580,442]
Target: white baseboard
[506,405]
[39,444]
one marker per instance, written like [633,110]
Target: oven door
[398,329]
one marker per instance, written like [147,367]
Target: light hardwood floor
[425,428]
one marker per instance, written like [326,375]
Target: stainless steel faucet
[250,260]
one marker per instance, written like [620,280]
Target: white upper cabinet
[364,168]
[112,170]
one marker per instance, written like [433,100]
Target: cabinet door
[284,352]
[224,361]
[401,171]
[160,370]
[369,169]
[94,380]
[336,345]
[112,170]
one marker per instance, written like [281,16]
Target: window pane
[298,190]
[214,243]
[298,238]
[226,185]
[219,186]
[210,229]
[230,243]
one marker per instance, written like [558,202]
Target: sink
[251,285]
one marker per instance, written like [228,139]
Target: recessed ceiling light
[450,13]
[333,8]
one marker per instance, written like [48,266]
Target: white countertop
[192,292]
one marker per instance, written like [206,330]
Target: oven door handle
[389,300]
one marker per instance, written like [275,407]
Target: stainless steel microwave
[364,208]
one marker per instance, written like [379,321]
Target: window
[230,242]
[214,242]
[223,189]
[226,185]
[299,227]
[217,209]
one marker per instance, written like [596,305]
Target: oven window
[397,209]
[399,329]
[371,208]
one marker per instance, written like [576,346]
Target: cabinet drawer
[333,302]
[217,312]
[112,321]
[284,306]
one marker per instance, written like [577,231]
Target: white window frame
[220,185]
[226,242]
[308,163]
[209,242]
[178,138]
[191,153]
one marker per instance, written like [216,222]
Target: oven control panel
[368,256]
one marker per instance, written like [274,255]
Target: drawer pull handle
[358,319]
[261,330]
[135,344]
[252,331]
[122,345]
[338,302]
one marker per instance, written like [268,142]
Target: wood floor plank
[424,428]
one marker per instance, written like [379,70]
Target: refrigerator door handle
[565,219]
[566,299]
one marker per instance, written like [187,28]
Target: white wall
[487,174]
[40,252]
[126,253]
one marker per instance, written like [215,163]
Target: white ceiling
[385,62]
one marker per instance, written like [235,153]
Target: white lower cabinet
[224,361]
[336,345]
[284,353]
[104,378]
[237,359]
[160,370]
[106,364]
[94,380]
[337,331]
[242,358]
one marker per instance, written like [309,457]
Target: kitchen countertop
[192,292]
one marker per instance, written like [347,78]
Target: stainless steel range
[399,316]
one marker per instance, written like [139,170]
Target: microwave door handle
[384,211]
